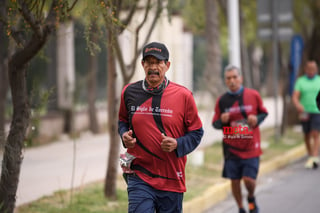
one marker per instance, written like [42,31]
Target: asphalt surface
[70,163]
[292,189]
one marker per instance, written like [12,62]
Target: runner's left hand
[252,120]
[168,144]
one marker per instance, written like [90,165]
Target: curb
[283,160]
[219,192]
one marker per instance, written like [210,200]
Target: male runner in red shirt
[159,125]
[239,112]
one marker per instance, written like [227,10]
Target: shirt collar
[239,91]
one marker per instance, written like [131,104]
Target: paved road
[293,189]
[48,168]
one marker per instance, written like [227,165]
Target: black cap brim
[159,57]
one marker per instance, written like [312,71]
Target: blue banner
[295,60]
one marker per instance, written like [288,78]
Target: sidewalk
[48,168]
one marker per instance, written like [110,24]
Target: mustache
[153,72]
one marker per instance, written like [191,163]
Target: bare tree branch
[127,21]
[51,18]
[128,71]
[223,6]
[36,42]
[154,21]
[35,3]
[3,15]
[17,36]
[28,16]
[146,14]
[117,7]
[299,19]
[40,11]
[72,6]
[128,75]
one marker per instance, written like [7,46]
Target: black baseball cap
[157,50]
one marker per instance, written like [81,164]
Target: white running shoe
[309,163]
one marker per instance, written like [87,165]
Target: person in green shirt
[305,92]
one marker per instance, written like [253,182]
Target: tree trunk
[3,78]
[284,89]
[13,155]
[115,54]
[112,169]
[212,75]
[246,70]
[3,95]
[245,61]
[256,57]
[269,81]
[312,44]
[313,51]
[51,78]
[92,82]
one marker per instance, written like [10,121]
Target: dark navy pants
[145,199]
[238,168]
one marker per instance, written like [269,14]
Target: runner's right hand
[225,117]
[128,140]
